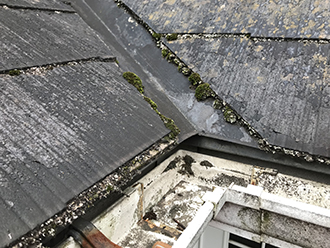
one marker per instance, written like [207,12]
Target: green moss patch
[133,79]
[217,104]
[186,71]
[171,37]
[165,52]
[14,72]
[156,36]
[195,79]
[229,115]
[203,91]
[151,102]
[169,123]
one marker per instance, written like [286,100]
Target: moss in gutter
[133,79]
[217,104]
[110,188]
[220,104]
[170,57]
[169,124]
[14,72]
[203,92]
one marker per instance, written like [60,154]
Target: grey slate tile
[32,38]
[136,51]
[7,235]
[278,87]
[290,19]
[64,129]
[45,4]
[199,116]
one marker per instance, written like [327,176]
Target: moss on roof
[133,79]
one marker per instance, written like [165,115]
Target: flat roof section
[190,190]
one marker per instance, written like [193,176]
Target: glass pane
[244,241]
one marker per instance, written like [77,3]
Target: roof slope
[63,126]
[69,119]
[35,37]
[158,75]
[289,19]
[280,88]
[36,4]
[276,82]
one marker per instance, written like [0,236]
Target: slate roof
[136,42]
[287,19]
[280,88]
[53,5]
[69,119]
[275,74]
[37,37]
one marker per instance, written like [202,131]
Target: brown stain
[95,239]
[162,229]
[160,244]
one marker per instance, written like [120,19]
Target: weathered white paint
[195,228]
[269,212]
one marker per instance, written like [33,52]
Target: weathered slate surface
[290,19]
[280,88]
[44,4]
[136,51]
[61,131]
[30,38]
[158,75]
